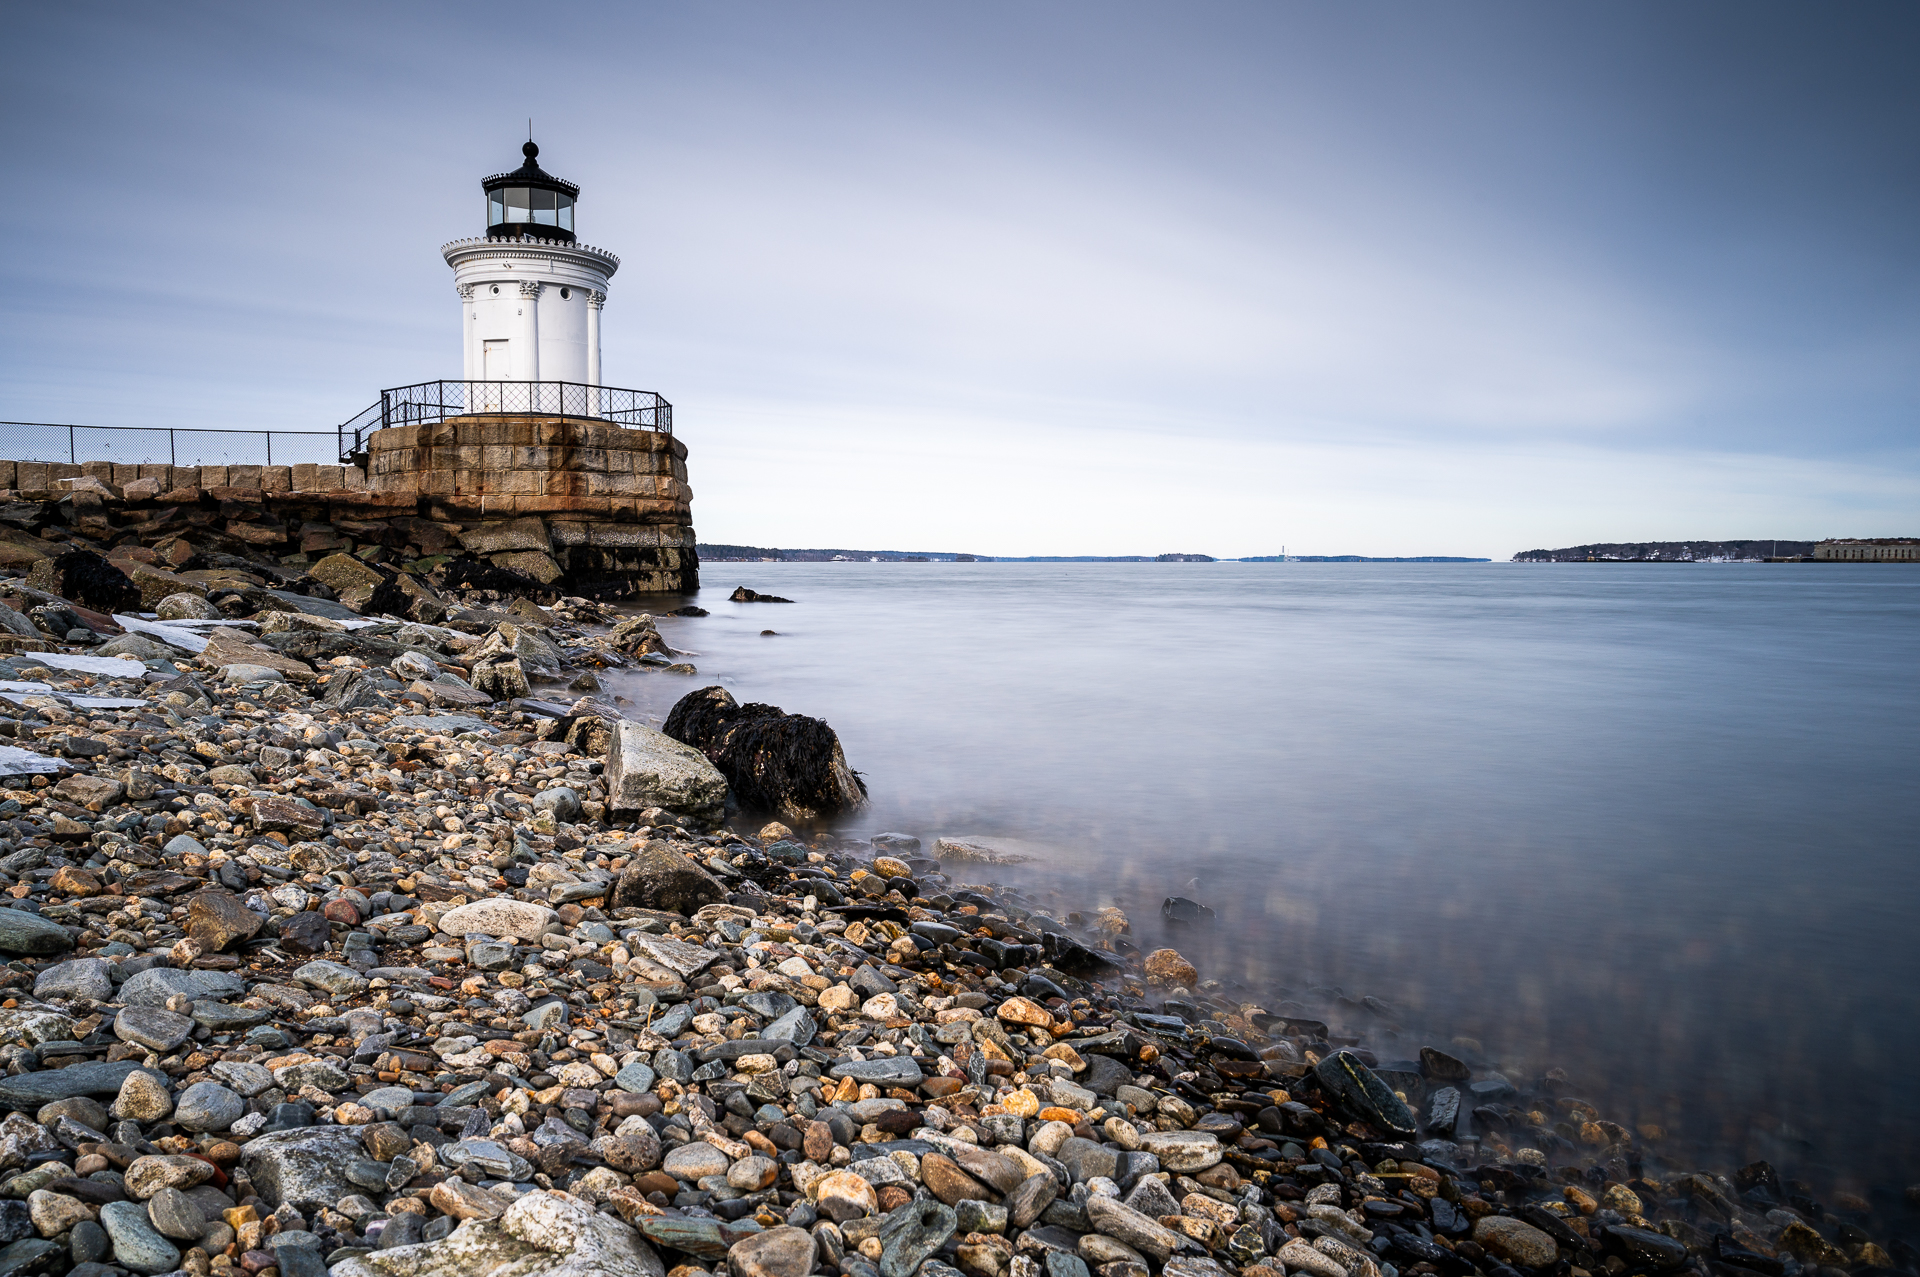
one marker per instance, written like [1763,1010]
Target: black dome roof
[530,174]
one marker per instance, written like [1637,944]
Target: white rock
[540,1235]
[646,768]
[1182,1151]
[499,918]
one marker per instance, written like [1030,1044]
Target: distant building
[1872,549]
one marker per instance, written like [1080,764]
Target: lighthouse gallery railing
[433,401]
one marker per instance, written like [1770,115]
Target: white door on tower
[494,369]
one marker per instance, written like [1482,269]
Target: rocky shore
[345,954]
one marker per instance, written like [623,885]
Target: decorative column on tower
[595,301]
[469,333]
[530,293]
[526,363]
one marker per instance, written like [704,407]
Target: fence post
[73,458]
[173,452]
[269,447]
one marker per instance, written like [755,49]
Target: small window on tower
[543,207]
[517,206]
[566,212]
[565,293]
[496,208]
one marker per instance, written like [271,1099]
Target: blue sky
[1367,278]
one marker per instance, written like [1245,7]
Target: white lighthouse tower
[530,293]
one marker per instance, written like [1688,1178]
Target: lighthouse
[530,291]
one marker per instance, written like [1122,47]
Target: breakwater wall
[578,507]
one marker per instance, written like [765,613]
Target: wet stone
[1343,1074]
[1517,1242]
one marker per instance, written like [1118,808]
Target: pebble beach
[341,954]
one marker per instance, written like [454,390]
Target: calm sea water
[1654,825]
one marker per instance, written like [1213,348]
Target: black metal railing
[433,401]
[166,445]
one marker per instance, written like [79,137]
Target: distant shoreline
[755,554]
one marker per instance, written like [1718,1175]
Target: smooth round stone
[208,1106]
[635,1078]
[1516,1241]
[751,1174]
[633,1151]
[185,607]
[90,1243]
[137,1245]
[242,672]
[695,1161]
[390,1098]
[563,802]
[844,1196]
[176,1215]
[777,1252]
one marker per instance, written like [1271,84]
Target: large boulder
[775,761]
[646,769]
[658,877]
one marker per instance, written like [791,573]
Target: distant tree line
[714,553]
[1666,552]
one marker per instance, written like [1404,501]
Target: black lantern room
[530,201]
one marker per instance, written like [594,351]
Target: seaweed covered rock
[465,574]
[83,577]
[774,761]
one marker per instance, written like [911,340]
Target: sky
[1466,278]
